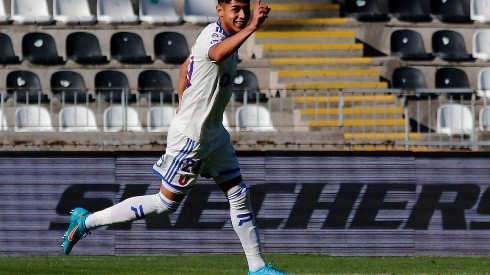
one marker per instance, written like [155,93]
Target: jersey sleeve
[208,39]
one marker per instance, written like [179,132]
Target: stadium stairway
[311,48]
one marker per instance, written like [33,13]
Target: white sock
[132,209]
[243,221]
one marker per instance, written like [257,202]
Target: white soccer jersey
[209,88]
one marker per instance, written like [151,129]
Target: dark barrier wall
[338,204]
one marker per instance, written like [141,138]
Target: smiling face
[234,15]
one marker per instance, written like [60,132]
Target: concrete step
[353,99]
[355,111]
[315,63]
[305,23]
[334,75]
[302,10]
[336,85]
[379,136]
[273,50]
[328,36]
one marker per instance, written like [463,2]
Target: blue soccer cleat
[76,230]
[267,270]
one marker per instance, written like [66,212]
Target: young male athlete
[197,142]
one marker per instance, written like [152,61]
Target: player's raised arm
[234,17]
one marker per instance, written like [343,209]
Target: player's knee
[166,206]
[239,196]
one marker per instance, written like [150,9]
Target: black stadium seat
[84,48]
[110,86]
[128,47]
[69,86]
[408,78]
[7,54]
[408,45]
[451,11]
[453,78]
[25,86]
[450,45]
[171,47]
[157,86]
[40,48]
[413,10]
[367,10]
[246,83]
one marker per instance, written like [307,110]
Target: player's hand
[261,13]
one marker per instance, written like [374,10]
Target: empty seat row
[108,11]
[84,48]
[116,118]
[450,11]
[456,119]
[155,85]
[449,45]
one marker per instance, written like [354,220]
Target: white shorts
[186,159]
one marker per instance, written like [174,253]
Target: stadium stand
[484,118]
[158,12]
[84,48]
[30,12]
[412,11]
[451,11]
[33,118]
[480,11]
[77,119]
[254,118]
[40,48]
[408,78]
[171,47]
[113,86]
[4,17]
[454,119]
[450,45]
[159,118]
[453,78]
[121,118]
[200,11]
[69,86]
[128,47]
[116,12]
[156,85]
[7,54]
[25,86]
[72,12]
[408,44]
[481,45]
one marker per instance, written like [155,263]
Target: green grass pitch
[235,264]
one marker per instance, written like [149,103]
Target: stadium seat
[84,48]
[412,11]
[408,45]
[171,47]
[453,78]
[7,54]
[159,118]
[4,17]
[113,86]
[30,11]
[484,118]
[25,86]
[3,121]
[121,118]
[33,118]
[69,86]
[157,86]
[40,48]
[450,46]
[407,78]
[451,11]
[483,83]
[200,11]
[116,12]
[481,45]
[77,119]
[480,11]
[72,12]
[246,87]
[454,119]
[128,47]
[158,12]
[253,118]
[367,10]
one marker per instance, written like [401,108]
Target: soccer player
[197,142]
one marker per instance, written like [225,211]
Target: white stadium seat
[158,12]
[254,118]
[119,118]
[480,11]
[72,12]
[3,121]
[200,11]
[454,119]
[481,45]
[116,12]
[77,119]
[483,83]
[159,118]
[4,17]
[30,11]
[33,119]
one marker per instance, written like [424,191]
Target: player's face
[234,16]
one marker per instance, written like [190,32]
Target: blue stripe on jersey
[177,161]
[190,72]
